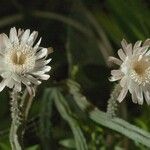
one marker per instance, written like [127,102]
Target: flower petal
[128,50]
[17,87]
[25,36]
[42,53]
[114,78]
[44,77]
[37,44]
[124,44]
[6,41]
[3,83]
[11,83]
[32,38]
[122,94]
[139,94]
[143,50]
[44,69]
[115,60]
[123,81]
[147,96]
[33,80]
[134,97]
[136,45]
[41,63]
[147,42]
[13,36]
[121,54]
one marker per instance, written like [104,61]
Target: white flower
[22,61]
[134,71]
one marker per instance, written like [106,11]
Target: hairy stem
[28,106]
[112,102]
[16,131]
[19,113]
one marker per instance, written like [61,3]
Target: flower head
[134,71]
[21,60]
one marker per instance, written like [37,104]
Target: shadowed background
[83,34]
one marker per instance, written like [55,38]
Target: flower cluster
[22,61]
[134,71]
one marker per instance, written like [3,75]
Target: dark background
[83,35]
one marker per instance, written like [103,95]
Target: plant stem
[16,131]
[19,114]
[28,106]
[112,102]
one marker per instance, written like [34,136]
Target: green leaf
[35,147]
[67,115]
[45,120]
[68,143]
[4,146]
[101,118]
[141,124]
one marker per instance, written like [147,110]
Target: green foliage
[68,143]
[65,112]
[71,114]
[35,147]
[102,118]
[99,117]
[125,20]
[45,120]
[4,146]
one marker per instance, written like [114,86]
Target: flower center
[18,58]
[140,72]
[140,67]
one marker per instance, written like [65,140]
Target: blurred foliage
[83,35]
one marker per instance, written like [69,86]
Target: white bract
[22,61]
[134,71]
